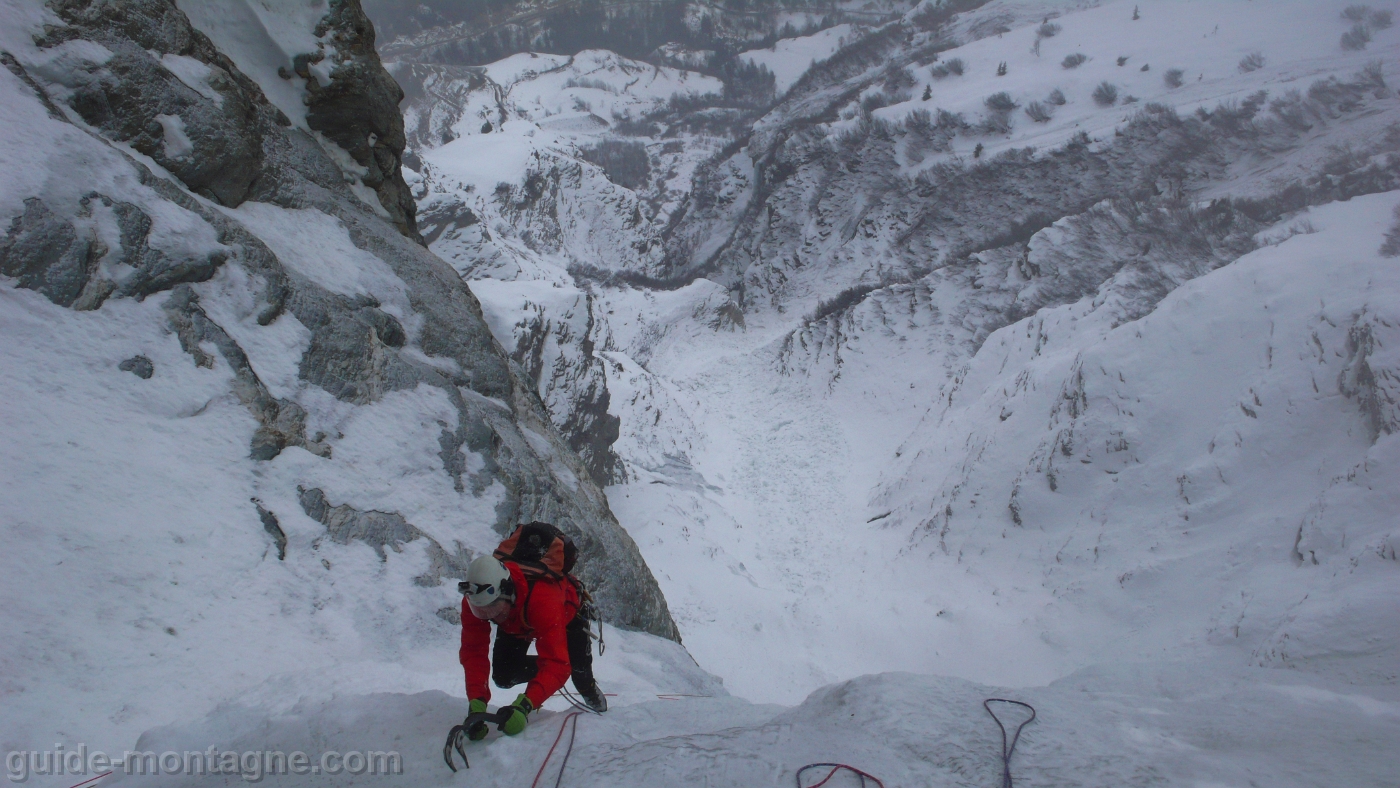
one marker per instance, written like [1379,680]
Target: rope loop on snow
[576,701]
[836,767]
[571,717]
[1006,752]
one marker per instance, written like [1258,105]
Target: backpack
[540,550]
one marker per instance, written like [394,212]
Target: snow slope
[789,58]
[1205,40]
[807,466]
[791,483]
[773,464]
[1134,725]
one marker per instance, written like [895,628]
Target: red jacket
[539,614]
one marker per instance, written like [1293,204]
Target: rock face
[137,73]
[210,136]
[359,108]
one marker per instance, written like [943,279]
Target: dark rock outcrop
[140,366]
[47,254]
[212,139]
[273,528]
[281,422]
[359,109]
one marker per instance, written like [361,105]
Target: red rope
[571,715]
[94,779]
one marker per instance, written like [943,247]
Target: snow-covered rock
[253,427]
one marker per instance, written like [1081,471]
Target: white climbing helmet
[488,581]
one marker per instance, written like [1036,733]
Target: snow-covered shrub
[1233,118]
[1174,77]
[1356,38]
[951,120]
[624,162]
[873,102]
[1000,102]
[591,84]
[1391,247]
[1047,30]
[933,15]
[883,129]
[919,123]
[953,67]
[1001,69]
[748,83]
[1335,96]
[1038,112]
[1106,94]
[841,301]
[1130,99]
[1290,110]
[629,127]
[897,78]
[1122,59]
[1251,62]
[1380,20]
[1074,61]
[995,123]
[1372,74]
[1057,97]
[1356,13]
[853,137]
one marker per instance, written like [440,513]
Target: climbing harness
[573,734]
[1006,752]
[836,767]
[458,734]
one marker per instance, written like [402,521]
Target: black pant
[510,665]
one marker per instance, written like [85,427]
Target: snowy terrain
[789,58]
[765,462]
[901,414]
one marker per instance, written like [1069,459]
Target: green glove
[519,715]
[478,730]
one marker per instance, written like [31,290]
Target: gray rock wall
[242,149]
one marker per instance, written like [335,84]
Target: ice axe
[458,734]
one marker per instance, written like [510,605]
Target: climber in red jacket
[526,591]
